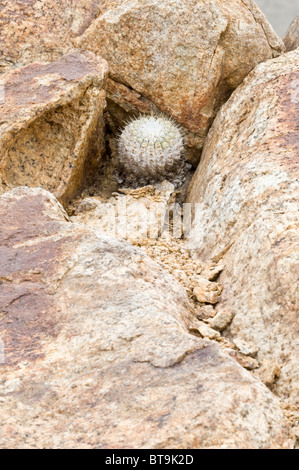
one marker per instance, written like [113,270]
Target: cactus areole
[150,150]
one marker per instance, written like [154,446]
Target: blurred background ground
[280,13]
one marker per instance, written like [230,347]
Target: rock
[183,58]
[43,30]
[269,373]
[97,353]
[51,126]
[247,190]
[207,292]
[136,214]
[291,38]
[221,320]
[245,361]
[205,311]
[246,348]
[205,331]
[212,270]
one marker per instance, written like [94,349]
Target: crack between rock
[141,97]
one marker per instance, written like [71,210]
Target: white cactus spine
[150,150]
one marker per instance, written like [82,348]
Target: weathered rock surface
[209,292]
[291,38]
[131,214]
[247,190]
[43,30]
[221,320]
[181,57]
[51,125]
[97,354]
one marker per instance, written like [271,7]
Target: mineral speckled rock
[43,30]
[221,320]
[291,38]
[51,126]
[181,57]
[134,215]
[207,292]
[247,189]
[97,354]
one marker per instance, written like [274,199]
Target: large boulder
[291,38]
[51,125]
[246,189]
[96,349]
[180,57]
[43,29]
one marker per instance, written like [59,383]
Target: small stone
[269,373]
[246,348]
[206,331]
[211,271]
[207,292]
[85,206]
[221,320]
[205,312]
[245,361]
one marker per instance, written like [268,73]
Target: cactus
[150,150]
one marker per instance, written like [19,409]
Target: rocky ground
[126,322]
[199,279]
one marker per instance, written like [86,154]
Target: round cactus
[150,150]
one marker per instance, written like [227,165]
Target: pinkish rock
[51,126]
[291,38]
[247,190]
[97,353]
[43,30]
[183,58]
[207,292]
